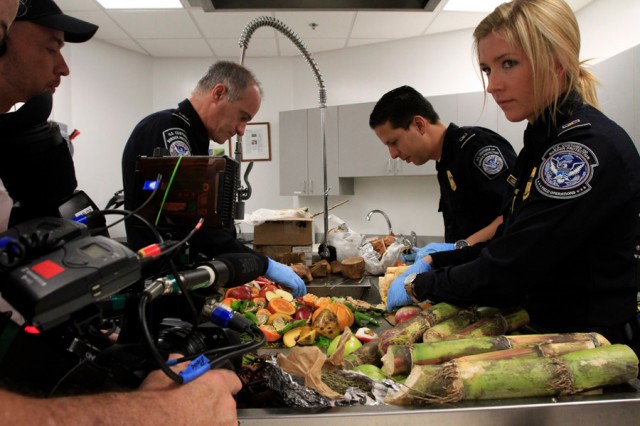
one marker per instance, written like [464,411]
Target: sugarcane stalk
[568,374]
[449,327]
[411,330]
[365,354]
[398,360]
[501,323]
[546,350]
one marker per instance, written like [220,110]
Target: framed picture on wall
[256,142]
[218,150]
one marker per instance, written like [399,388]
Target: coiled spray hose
[247,32]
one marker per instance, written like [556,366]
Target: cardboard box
[287,254]
[284,232]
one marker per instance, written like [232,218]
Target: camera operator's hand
[205,401]
[198,401]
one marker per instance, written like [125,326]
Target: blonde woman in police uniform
[566,248]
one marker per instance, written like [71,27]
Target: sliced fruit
[284,294]
[281,305]
[241,292]
[270,295]
[290,338]
[307,336]
[272,317]
[227,301]
[263,316]
[365,334]
[270,333]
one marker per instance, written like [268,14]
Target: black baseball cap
[48,14]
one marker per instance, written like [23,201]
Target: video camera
[84,296]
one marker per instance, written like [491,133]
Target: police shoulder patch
[566,171]
[177,142]
[490,161]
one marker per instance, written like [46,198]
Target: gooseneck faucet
[385,216]
[247,32]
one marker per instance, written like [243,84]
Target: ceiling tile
[156,23]
[287,48]
[177,48]
[77,5]
[220,31]
[108,29]
[128,44]
[391,24]
[329,24]
[454,21]
[227,24]
[258,47]
[364,41]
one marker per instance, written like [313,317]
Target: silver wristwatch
[461,244]
[408,287]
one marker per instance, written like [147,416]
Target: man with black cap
[33,62]
[31,65]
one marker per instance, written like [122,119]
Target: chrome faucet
[385,216]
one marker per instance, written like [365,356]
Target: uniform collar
[544,128]
[190,115]
[450,142]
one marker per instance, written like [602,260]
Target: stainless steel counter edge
[613,409]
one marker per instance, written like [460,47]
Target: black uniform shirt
[472,173]
[566,249]
[182,133]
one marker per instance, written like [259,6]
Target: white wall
[111,89]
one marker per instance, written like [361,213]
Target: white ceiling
[193,33]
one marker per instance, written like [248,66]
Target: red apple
[302,312]
[405,313]
[242,292]
[265,288]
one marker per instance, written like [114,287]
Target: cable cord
[155,353]
[131,213]
[166,192]
[248,347]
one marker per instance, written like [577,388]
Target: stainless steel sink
[364,289]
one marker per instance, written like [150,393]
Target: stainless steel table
[618,406]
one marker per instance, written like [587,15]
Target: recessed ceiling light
[141,4]
[472,5]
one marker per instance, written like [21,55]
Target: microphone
[237,268]
[227,270]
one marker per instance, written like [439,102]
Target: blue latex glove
[397,296]
[430,248]
[284,275]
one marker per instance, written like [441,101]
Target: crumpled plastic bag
[260,216]
[374,264]
[346,241]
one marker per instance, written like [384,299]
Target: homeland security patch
[490,161]
[566,170]
[177,142]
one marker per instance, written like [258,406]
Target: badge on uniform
[490,161]
[177,142]
[566,171]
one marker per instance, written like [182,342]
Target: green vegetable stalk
[567,374]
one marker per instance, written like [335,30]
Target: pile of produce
[309,320]
[433,355]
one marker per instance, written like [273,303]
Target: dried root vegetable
[401,359]
[568,374]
